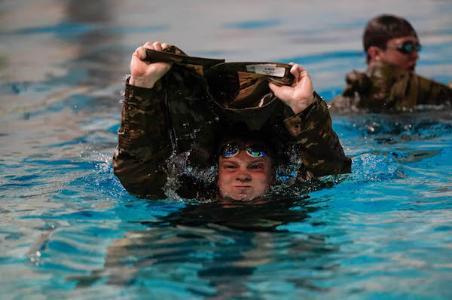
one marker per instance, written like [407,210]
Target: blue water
[68,229]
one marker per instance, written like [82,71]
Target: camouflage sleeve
[357,84]
[144,142]
[321,151]
[385,87]
[344,104]
[428,92]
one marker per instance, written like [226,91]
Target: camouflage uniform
[179,121]
[385,87]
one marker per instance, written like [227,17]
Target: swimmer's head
[245,166]
[391,39]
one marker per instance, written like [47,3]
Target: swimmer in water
[174,126]
[390,83]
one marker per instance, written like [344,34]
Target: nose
[414,55]
[243,176]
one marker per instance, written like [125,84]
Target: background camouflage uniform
[179,118]
[388,88]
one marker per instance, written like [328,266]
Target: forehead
[403,39]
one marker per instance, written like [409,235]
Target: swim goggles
[408,47]
[232,149]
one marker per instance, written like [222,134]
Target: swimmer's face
[243,177]
[402,52]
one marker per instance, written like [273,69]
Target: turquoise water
[69,230]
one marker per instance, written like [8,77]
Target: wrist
[144,82]
[299,106]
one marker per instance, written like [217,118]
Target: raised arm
[311,128]
[144,141]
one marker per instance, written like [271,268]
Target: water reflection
[219,250]
[98,49]
[395,216]
[404,127]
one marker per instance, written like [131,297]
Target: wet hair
[383,28]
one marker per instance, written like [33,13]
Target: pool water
[68,229]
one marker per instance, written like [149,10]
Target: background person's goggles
[408,47]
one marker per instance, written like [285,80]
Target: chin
[243,198]
[239,197]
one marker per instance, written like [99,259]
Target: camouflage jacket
[174,126]
[387,88]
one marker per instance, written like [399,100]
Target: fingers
[158,46]
[298,71]
[273,87]
[153,45]
[140,52]
[281,92]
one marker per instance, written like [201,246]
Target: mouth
[242,186]
[412,65]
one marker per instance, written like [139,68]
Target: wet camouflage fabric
[176,126]
[387,88]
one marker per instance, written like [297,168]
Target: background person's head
[245,166]
[393,40]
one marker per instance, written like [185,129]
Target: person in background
[173,131]
[390,83]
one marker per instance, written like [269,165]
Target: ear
[374,53]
